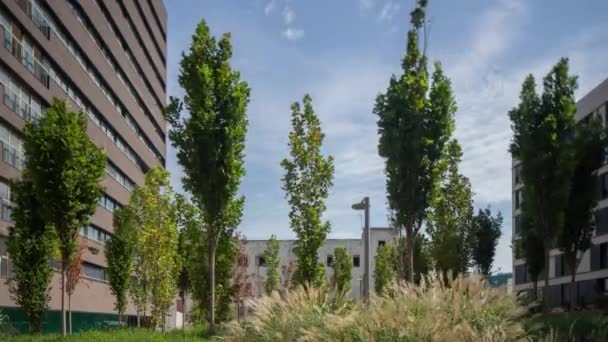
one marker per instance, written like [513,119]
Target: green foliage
[210,141]
[120,335]
[533,249]
[423,262]
[65,168]
[450,220]
[308,177]
[120,250]
[487,231]
[271,254]
[30,245]
[575,237]
[584,326]
[414,124]
[462,310]
[157,260]
[343,270]
[384,273]
[198,269]
[543,130]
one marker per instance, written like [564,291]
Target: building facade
[256,264]
[592,272]
[108,59]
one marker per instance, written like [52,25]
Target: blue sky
[343,52]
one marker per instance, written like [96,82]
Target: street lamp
[364,205]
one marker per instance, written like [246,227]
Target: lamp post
[364,205]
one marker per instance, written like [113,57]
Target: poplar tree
[210,140]
[120,251]
[30,245]
[487,231]
[414,124]
[271,255]
[65,168]
[306,182]
[343,270]
[543,129]
[156,214]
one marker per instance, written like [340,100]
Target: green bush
[583,326]
[462,310]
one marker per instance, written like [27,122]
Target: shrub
[464,309]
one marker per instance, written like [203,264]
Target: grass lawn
[120,335]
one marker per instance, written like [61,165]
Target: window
[12,148]
[5,198]
[120,177]
[5,267]
[108,203]
[518,199]
[604,184]
[518,174]
[330,260]
[94,233]
[356,261]
[94,272]
[603,255]
[261,261]
[517,226]
[381,243]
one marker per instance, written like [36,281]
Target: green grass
[590,325]
[120,335]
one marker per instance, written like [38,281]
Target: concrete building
[592,273]
[107,58]
[256,264]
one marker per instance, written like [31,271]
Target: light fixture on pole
[364,205]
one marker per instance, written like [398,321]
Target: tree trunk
[70,311]
[535,289]
[547,248]
[184,308]
[212,248]
[573,284]
[410,241]
[138,319]
[63,327]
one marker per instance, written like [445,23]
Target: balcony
[26,56]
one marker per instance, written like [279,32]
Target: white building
[256,264]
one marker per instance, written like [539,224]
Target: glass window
[356,261]
[330,260]
[381,243]
[604,185]
[261,261]
[94,271]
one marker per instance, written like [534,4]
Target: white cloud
[366,4]
[270,6]
[389,10]
[288,15]
[291,33]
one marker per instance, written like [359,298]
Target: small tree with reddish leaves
[287,274]
[73,275]
[242,279]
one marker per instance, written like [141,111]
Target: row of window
[18,99]
[108,202]
[89,28]
[74,94]
[122,43]
[119,176]
[23,50]
[12,147]
[261,261]
[149,30]
[94,272]
[94,233]
[96,78]
[157,19]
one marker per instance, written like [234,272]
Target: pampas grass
[464,309]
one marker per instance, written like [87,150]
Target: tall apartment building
[108,59]
[592,273]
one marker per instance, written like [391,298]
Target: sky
[343,52]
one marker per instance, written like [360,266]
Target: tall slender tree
[343,270]
[384,272]
[487,231]
[73,277]
[423,262]
[210,141]
[120,251]
[543,129]
[65,168]
[414,125]
[273,260]
[575,238]
[30,244]
[450,221]
[156,213]
[308,177]
[533,250]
